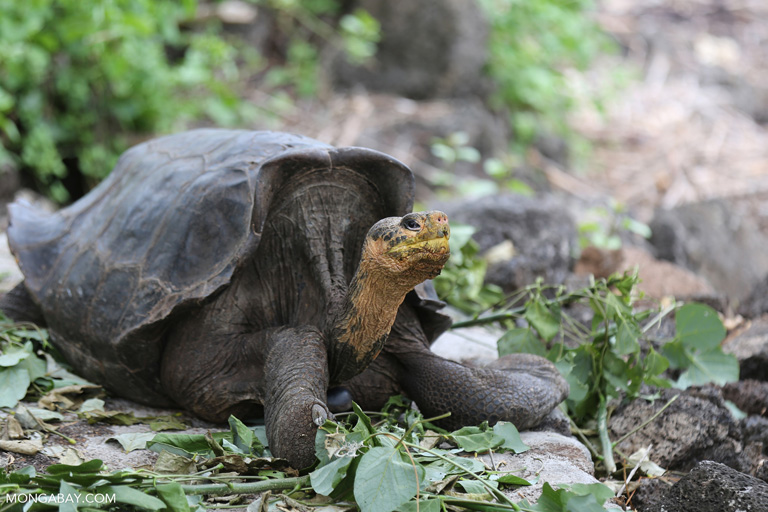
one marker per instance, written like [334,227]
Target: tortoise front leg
[280,373]
[296,380]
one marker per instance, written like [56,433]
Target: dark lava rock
[695,427]
[754,429]
[749,395]
[723,240]
[751,349]
[540,234]
[756,303]
[713,487]
[427,50]
[649,494]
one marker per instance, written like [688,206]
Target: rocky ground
[684,148]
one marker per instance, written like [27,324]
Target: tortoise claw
[320,414]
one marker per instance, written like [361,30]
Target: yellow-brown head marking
[415,244]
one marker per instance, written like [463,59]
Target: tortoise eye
[411,225]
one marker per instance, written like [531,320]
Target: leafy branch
[611,356]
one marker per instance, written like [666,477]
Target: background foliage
[532,46]
[82,80]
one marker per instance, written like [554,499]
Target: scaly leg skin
[522,388]
[296,380]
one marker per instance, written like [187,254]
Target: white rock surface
[553,458]
[10,274]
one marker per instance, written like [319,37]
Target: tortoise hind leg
[18,305]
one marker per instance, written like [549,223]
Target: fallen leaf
[133,440]
[92,404]
[68,397]
[30,416]
[110,417]
[56,371]
[170,463]
[71,458]
[24,447]
[430,439]
[231,462]
[160,423]
[12,429]
[261,504]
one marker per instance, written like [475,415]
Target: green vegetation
[83,80]
[454,149]
[380,467]
[603,225]
[532,46]
[610,358]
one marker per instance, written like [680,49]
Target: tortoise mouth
[436,245]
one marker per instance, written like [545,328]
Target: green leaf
[173,496]
[511,479]
[699,326]
[563,500]
[712,366]
[543,319]
[363,421]
[184,444]
[654,363]
[626,338]
[676,354]
[384,480]
[325,478]
[13,386]
[520,340]
[429,505]
[475,439]
[13,354]
[511,436]
[161,423]
[456,466]
[133,440]
[130,496]
[242,437]
[475,487]
[68,498]
[92,466]
[600,491]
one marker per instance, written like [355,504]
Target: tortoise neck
[363,323]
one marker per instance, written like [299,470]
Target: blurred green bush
[532,46]
[81,80]
[79,77]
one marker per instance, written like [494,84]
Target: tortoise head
[413,247]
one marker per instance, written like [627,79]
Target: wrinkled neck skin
[365,319]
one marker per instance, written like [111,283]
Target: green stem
[495,492]
[509,314]
[248,487]
[605,441]
[586,442]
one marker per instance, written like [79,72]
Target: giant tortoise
[239,272]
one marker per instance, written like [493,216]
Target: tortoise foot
[521,389]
